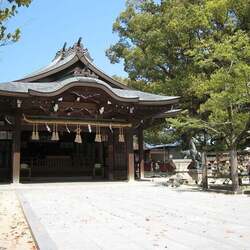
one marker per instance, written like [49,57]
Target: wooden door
[5,161]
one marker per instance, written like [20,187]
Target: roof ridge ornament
[79,42]
[63,50]
[84,72]
[64,47]
[76,48]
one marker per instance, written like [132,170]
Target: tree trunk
[234,169]
[204,170]
[217,161]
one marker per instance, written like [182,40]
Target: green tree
[8,9]
[198,49]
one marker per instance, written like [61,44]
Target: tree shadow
[196,188]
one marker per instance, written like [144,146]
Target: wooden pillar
[141,151]
[130,155]
[16,146]
[100,153]
[110,156]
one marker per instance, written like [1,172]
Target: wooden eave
[167,114]
[90,84]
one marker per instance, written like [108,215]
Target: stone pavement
[142,215]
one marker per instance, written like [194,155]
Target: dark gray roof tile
[50,87]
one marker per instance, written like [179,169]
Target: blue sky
[47,24]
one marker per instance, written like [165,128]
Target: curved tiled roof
[43,83]
[56,63]
[55,88]
[66,58]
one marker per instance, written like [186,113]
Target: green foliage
[139,84]
[198,49]
[160,134]
[8,9]
[227,87]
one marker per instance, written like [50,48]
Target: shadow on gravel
[181,188]
[212,189]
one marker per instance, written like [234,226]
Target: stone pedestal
[195,176]
[182,171]
[181,164]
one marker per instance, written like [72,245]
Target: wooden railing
[59,164]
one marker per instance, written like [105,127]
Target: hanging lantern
[35,134]
[55,136]
[98,137]
[78,138]
[77,132]
[53,133]
[121,135]
[104,137]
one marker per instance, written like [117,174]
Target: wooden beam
[130,155]
[77,122]
[141,151]
[16,146]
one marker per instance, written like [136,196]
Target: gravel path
[139,216]
[14,231]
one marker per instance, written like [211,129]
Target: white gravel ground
[142,215]
[14,231]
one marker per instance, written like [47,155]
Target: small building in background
[159,156]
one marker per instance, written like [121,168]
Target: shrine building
[70,120]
